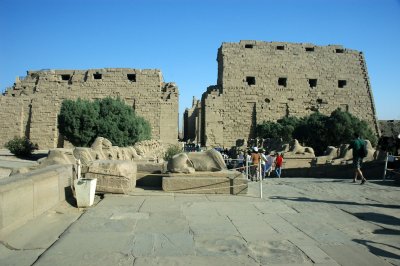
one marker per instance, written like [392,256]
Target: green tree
[317,130]
[269,129]
[82,121]
[289,124]
[343,125]
[283,128]
[78,121]
[312,132]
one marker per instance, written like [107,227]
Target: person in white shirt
[268,163]
[263,163]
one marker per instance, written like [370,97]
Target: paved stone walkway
[299,221]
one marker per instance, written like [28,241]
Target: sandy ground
[299,221]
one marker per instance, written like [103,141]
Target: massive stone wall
[31,106]
[265,81]
[192,122]
[390,128]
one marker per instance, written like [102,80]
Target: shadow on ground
[377,218]
[372,247]
[305,199]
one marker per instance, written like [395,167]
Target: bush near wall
[317,130]
[21,146]
[82,121]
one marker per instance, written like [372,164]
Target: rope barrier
[202,189]
[243,167]
[182,190]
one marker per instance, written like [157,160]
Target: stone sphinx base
[221,182]
[113,176]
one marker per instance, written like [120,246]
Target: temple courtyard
[299,221]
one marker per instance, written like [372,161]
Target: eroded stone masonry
[31,106]
[265,81]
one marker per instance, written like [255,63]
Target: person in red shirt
[278,165]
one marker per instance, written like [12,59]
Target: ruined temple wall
[192,122]
[213,124]
[168,122]
[228,119]
[14,114]
[143,90]
[261,81]
[43,126]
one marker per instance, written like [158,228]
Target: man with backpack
[359,152]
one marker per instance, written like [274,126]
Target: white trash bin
[85,188]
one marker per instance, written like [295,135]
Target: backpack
[363,149]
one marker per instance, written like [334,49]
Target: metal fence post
[247,168]
[260,179]
[386,162]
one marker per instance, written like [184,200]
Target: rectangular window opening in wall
[248,46]
[65,77]
[131,77]
[97,76]
[251,80]
[342,83]
[280,47]
[312,83]
[282,82]
[339,51]
[309,49]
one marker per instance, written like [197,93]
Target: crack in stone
[254,259]
[305,254]
[153,249]
[237,229]
[296,227]
[8,246]
[66,229]
[172,243]
[141,205]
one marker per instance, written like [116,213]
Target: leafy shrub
[78,121]
[312,132]
[344,125]
[283,128]
[82,121]
[21,146]
[317,130]
[171,151]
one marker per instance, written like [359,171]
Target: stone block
[25,196]
[16,204]
[45,191]
[222,182]
[113,176]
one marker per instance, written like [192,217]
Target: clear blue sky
[181,37]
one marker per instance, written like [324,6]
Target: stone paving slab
[352,255]
[298,221]
[23,246]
